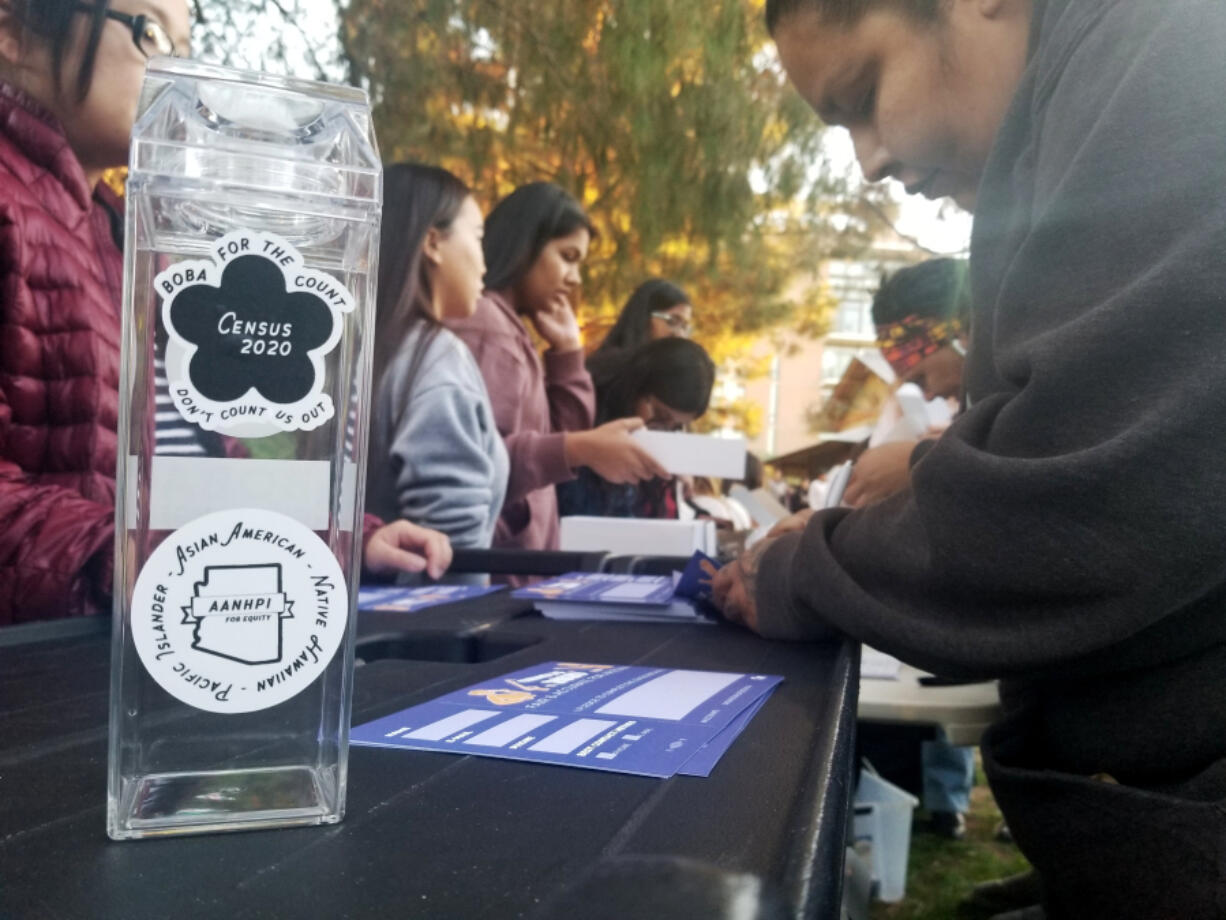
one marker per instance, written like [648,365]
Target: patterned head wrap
[910,340]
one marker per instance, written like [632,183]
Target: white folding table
[962,710]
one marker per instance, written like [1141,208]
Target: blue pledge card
[648,721]
[599,596]
[707,756]
[390,597]
[695,582]
[617,744]
[712,698]
[654,590]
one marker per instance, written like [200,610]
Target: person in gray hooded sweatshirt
[436,457]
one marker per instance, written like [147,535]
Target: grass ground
[942,872]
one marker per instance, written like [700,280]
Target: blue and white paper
[595,587]
[407,600]
[704,761]
[632,598]
[648,721]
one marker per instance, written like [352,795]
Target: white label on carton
[183,488]
[239,610]
[249,329]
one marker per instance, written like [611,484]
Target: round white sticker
[251,326]
[239,610]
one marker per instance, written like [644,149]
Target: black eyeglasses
[149,35]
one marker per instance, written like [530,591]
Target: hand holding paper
[695,454]
[611,452]
[734,587]
[697,583]
[880,472]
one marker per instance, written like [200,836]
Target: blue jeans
[949,774]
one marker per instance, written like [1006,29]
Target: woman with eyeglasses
[657,309]
[70,78]
[70,81]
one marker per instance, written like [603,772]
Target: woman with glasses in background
[70,81]
[657,309]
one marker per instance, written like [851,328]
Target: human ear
[996,9]
[431,247]
[10,38]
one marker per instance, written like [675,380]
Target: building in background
[803,372]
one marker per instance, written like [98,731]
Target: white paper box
[695,454]
[637,537]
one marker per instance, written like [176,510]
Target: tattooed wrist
[750,563]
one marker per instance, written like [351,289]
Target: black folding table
[436,835]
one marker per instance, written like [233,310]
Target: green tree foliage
[668,119]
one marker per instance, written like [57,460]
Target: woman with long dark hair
[535,242]
[70,80]
[666,383]
[436,456]
[657,309]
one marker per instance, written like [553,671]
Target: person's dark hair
[753,478]
[633,326]
[847,13]
[936,289]
[676,371]
[416,198]
[754,473]
[51,21]
[522,224]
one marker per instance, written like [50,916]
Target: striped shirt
[174,434]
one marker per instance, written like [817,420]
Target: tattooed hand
[735,586]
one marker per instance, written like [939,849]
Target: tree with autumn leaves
[669,119]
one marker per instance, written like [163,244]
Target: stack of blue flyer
[647,721]
[598,596]
[406,600]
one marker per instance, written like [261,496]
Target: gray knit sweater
[436,457]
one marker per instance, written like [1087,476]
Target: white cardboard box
[636,536]
[687,454]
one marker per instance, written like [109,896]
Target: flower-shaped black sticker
[250,328]
[251,333]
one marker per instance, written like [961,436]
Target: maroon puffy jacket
[61,275]
[61,284]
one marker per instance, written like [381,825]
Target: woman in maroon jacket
[70,78]
[535,241]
